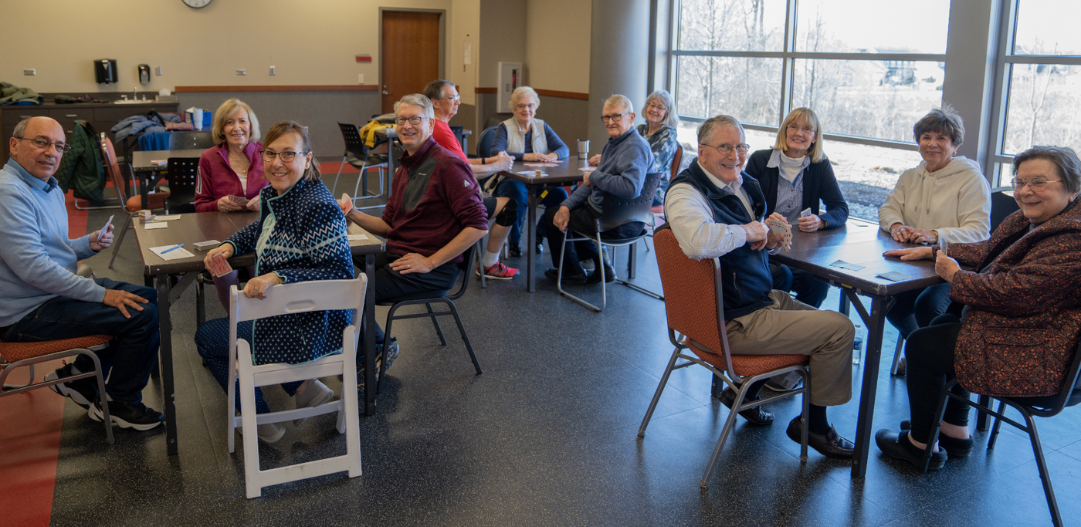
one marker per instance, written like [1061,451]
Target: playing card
[781,230]
[219,266]
[805,212]
[238,199]
[943,246]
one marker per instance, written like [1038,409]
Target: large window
[868,81]
[1040,87]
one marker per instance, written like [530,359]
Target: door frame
[442,39]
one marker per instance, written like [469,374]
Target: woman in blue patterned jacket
[300,236]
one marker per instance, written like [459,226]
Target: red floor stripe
[30,426]
[30,441]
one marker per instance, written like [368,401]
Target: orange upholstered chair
[133,204]
[18,354]
[693,300]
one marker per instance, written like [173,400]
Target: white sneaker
[316,394]
[270,433]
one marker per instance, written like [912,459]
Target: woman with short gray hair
[945,198]
[659,131]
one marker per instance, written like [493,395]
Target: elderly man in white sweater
[945,198]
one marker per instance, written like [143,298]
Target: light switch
[360,78]
[30,72]
[157,71]
[272,71]
[241,72]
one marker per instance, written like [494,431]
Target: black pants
[583,220]
[930,367]
[917,308]
[390,284]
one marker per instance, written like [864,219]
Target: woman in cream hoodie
[946,198]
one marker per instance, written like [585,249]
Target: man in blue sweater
[622,172]
[717,211]
[41,297]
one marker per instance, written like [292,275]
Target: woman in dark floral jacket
[1021,322]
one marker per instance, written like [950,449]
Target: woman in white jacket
[946,198]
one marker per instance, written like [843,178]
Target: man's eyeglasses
[287,156]
[615,118]
[1034,184]
[797,128]
[455,98]
[44,144]
[411,120]
[728,149]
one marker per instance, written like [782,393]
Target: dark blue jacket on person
[745,278]
[819,183]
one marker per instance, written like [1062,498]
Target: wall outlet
[157,71]
[272,71]
[360,78]
[30,72]
[241,72]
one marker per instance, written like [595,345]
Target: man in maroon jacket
[434,213]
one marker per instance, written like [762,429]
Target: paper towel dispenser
[105,71]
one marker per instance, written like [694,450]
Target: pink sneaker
[499,272]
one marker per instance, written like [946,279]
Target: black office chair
[190,140]
[429,298]
[182,175]
[616,212]
[463,137]
[362,158]
[1029,407]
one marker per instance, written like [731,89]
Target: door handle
[385,92]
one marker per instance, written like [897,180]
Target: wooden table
[861,243]
[197,227]
[565,172]
[148,173]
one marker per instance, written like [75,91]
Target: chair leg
[944,396]
[559,280]
[106,420]
[897,355]
[729,423]
[480,265]
[465,336]
[981,418]
[435,322]
[657,394]
[1041,464]
[120,239]
[200,302]
[340,167]
[995,427]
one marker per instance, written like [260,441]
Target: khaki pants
[790,327]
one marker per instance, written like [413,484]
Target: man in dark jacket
[716,211]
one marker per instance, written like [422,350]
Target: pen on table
[172,248]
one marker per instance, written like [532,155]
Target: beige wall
[502,37]
[310,43]
[557,45]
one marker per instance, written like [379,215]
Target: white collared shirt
[691,217]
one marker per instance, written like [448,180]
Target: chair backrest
[1002,205]
[619,211]
[190,140]
[463,137]
[692,306]
[182,173]
[677,160]
[299,297]
[484,142]
[466,266]
[354,145]
[108,156]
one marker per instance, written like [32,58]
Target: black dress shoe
[953,446]
[515,252]
[609,276]
[553,274]
[899,447]
[755,416]
[830,444]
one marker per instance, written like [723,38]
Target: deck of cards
[219,266]
[781,230]
[943,246]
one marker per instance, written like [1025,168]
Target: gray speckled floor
[546,436]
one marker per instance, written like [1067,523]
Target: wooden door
[410,54]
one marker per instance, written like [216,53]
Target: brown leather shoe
[756,416]
[830,444]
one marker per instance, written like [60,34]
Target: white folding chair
[283,300]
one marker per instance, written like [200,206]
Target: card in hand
[943,246]
[781,230]
[805,212]
[237,199]
[219,266]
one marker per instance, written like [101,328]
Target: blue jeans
[212,342]
[517,192]
[916,309]
[127,361]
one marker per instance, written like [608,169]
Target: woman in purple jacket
[231,173]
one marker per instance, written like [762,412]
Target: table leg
[369,337]
[165,362]
[530,239]
[876,322]
[146,179]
